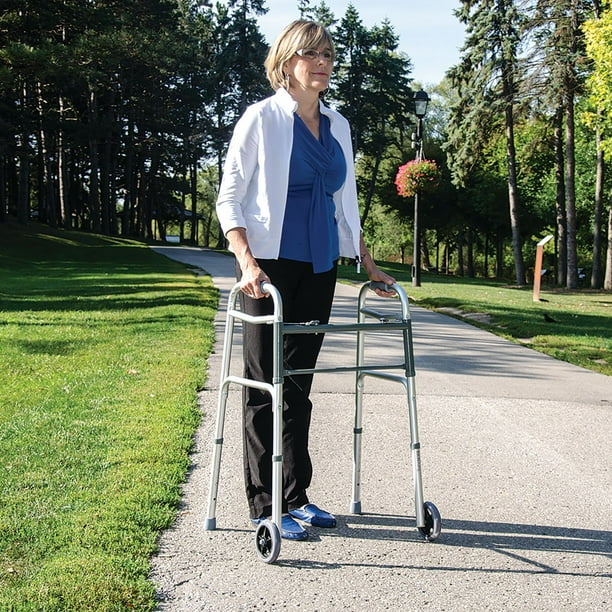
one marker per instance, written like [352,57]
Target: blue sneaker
[312,515]
[290,530]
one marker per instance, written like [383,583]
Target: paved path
[516,456]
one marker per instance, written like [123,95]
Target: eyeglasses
[312,55]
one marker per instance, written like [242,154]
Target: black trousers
[306,297]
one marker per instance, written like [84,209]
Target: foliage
[416,176]
[124,131]
[371,88]
[119,121]
[485,81]
[97,414]
[320,13]
[598,33]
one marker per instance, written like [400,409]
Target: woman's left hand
[374,272]
[377,275]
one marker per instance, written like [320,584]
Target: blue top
[317,170]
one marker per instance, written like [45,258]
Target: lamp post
[421,100]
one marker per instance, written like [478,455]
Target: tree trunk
[599,184]
[105,183]
[561,242]
[23,187]
[608,276]
[426,257]
[94,166]
[62,183]
[194,202]
[470,252]
[131,184]
[570,195]
[517,250]
[221,236]
[23,200]
[570,159]
[46,191]
[460,264]
[3,190]
[112,186]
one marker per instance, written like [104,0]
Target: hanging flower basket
[417,176]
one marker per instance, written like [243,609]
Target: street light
[421,100]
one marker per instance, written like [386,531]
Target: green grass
[103,347]
[580,331]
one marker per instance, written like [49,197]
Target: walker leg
[277,428]
[210,522]
[415,447]
[277,458]
[358,428]
[357,431]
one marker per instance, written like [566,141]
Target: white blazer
[253,191]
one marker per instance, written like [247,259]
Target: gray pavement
[516,456]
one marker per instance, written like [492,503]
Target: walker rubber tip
[210,524]
[355,507]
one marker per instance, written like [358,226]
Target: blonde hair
[300,34]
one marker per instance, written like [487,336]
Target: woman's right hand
[252,275]
[252,278]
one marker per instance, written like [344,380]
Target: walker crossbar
[341,369]
[268,535]
[298,328]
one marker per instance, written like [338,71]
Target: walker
[267,535]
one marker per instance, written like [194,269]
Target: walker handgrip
[265,287]
[382,286]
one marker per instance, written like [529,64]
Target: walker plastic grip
[380,285]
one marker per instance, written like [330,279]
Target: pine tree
[485,80]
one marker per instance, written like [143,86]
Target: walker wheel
[267,541]
[433,522]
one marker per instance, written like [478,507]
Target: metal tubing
[386,322]
[277,405]
[210,523]
[294,329]
[409,385]
[357,425]
[341,369]
[415,446]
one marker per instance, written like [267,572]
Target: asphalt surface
[516,455]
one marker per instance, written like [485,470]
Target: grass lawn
[103,348]
[574,326]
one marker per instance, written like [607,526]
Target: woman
[288,207]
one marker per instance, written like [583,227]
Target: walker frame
[267,535]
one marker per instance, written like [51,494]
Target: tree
[320,13]
[485,80]
[561,66]
[598,34]
[235,77]
[372,91]
[92,92]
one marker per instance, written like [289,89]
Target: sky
[429,33]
